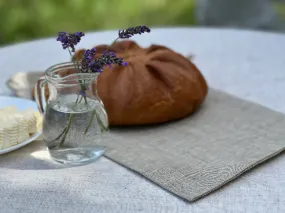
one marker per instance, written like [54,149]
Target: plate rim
[20,145]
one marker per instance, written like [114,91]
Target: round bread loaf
[157,86]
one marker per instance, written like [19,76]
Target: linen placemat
[196,155]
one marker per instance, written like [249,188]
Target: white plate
[21,104]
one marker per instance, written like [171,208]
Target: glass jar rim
[52,76]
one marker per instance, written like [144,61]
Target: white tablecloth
[247,64]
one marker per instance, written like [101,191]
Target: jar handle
[40,94]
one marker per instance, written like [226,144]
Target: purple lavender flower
[69,40]
[131,31]
[96,66]
[109,58]
[106,59]
[86,59]
[125,63]
[63,38]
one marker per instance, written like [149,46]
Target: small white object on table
[248,64]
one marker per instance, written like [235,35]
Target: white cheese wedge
[9,127]
[31,119]
[4,139]
[39,119]
[1,138]
[23,128]
[16,127]
[11,113]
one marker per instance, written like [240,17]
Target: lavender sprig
[97,65]
[107,59]
[87,58]
[88,64]
[131,31]
[69,40]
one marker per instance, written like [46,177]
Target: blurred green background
[22,20]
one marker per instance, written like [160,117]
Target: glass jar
[74,117]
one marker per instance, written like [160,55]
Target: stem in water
[67,129]
[90,122]
[103,127]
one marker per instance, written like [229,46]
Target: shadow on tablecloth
[33,156]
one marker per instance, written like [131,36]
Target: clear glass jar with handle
[75,119]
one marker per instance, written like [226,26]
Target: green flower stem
[77,98]
[60,134]
[80,99]
[83,88]
[78,70]
[74,62]
[67,129]
[90,122]
[111,44]
[103,128]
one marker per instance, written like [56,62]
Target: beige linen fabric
[196,155]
